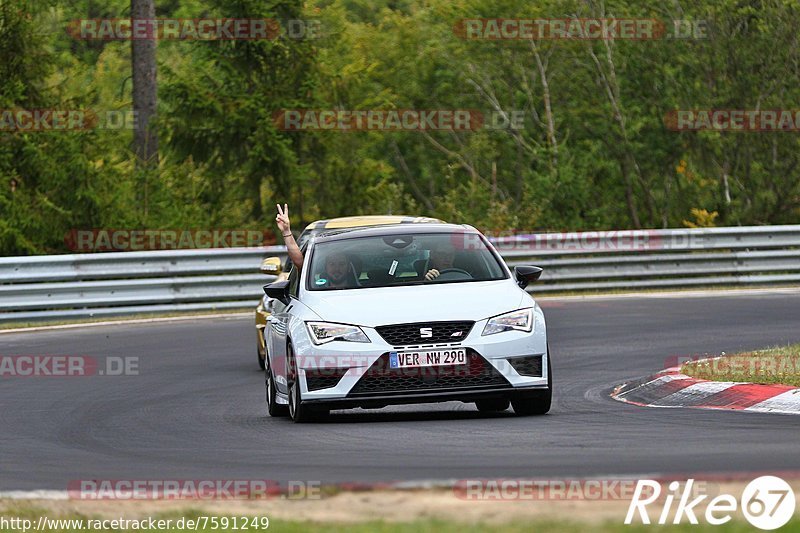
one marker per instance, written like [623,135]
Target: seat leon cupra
[405,314]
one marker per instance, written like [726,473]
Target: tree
[145,95]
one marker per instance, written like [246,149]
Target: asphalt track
[196,409]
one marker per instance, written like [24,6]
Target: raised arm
[282,220]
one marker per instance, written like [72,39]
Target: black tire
[298,412]
[492,405]
[273,407]
[535,402]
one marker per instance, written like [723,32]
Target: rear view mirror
[271,266]
[526,274]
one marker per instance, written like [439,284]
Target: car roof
[415,229]
[368,220]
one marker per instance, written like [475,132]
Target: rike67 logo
[767,502]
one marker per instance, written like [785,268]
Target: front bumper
[350,374]
[377,401]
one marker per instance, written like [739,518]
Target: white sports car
[405,314]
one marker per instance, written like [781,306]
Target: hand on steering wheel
[435,273]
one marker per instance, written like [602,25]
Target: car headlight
[322,332]
[520,320]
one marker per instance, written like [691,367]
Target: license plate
[417,358]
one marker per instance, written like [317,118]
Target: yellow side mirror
[271,266]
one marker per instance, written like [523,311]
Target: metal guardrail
[62,287]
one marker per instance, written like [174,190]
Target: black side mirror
[278,291]
[526,274]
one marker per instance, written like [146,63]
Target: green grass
[419,525]
[539,526]
[772,365]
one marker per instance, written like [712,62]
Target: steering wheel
[446,270]
[459,274]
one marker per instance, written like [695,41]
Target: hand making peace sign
[282,219]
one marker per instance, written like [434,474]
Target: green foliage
[592,152]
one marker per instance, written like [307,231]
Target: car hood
[418,303]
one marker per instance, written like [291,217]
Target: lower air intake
[380,379]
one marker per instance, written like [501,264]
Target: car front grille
[412,334]
[530,365]
[380,379]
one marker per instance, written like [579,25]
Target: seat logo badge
[425,332]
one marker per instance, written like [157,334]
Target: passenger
[291,245]
[338,271]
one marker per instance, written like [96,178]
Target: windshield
[402,259]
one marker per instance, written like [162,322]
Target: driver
[441,259]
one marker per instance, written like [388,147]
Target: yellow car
[274,267]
